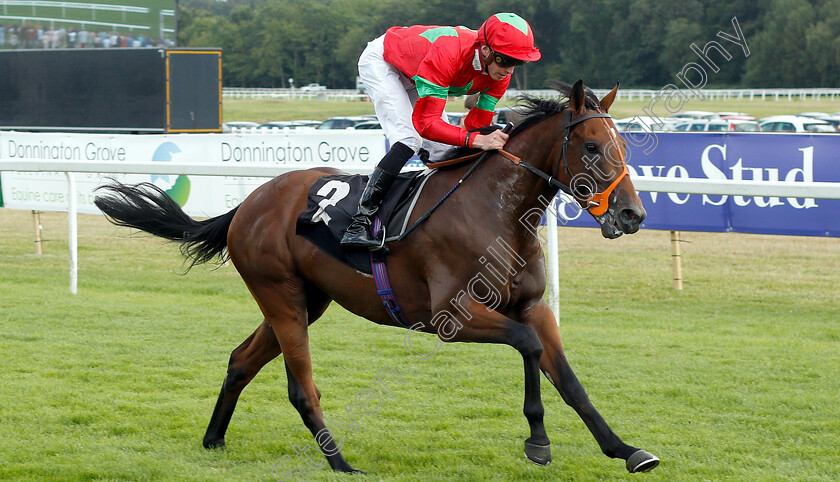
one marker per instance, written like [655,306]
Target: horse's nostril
[631,218]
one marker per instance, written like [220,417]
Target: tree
[778,57]
[642,43]
[822,45]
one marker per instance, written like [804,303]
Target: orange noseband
[599,203]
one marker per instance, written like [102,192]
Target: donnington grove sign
[199,195]
[768,157]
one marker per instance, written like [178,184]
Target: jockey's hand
[490,142]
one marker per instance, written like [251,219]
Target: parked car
[454,118]
[707,125]
[277,125]
[342,122]
[642,124]
[693,114]
[730,116]
[742,125]
[231,126]
[314,87]
[368,125]
[792,123]
[724,115]
[834,120]
[814,115]
[503,115]
[297,124]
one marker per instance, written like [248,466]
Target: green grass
[267,110]
[734,378]
[261,110]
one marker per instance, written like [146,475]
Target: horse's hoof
[641,461]
[214,444]
[538,454]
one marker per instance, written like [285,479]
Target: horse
[569,145]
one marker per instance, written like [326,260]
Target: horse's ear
[577,98]
[608,99]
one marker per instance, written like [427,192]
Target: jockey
[410,71]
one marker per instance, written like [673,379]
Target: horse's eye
[592,147]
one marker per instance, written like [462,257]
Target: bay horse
[293,282]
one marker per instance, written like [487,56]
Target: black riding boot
[357,234]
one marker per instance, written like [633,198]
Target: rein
[481,157]
[451,162]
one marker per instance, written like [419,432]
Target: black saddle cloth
[332,202]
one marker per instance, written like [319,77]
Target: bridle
[598,203]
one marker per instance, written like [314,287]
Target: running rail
[816,190]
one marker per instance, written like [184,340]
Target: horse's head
[592,161]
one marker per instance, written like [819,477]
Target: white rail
[80,22]
[85,6]
[243,169]
[816,190]
[264,93]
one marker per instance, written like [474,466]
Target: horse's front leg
[555,366]
[485,326]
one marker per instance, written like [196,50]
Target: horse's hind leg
[287,304]
[245,362]
[314,421]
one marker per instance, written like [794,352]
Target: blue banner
[736,156]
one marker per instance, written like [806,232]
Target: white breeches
[393,96]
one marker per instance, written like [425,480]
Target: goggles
[505,61]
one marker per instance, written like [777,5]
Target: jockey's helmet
[510,35]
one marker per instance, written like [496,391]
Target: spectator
[13,38]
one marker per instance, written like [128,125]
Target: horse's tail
[148,208]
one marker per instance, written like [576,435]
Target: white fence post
[551,221]
[73,232]
[36,220]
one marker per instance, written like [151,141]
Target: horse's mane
[534,110]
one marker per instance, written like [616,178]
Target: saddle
[333,200]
